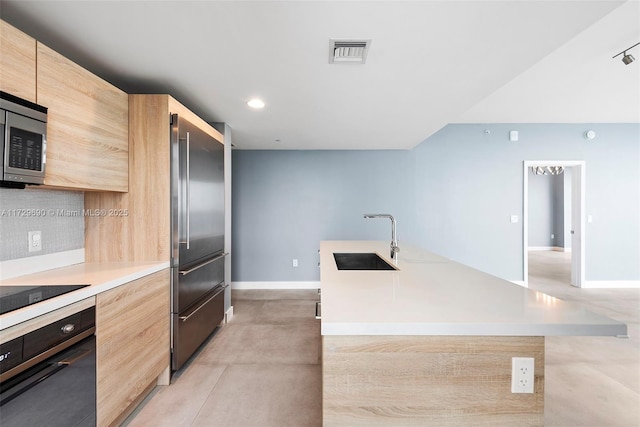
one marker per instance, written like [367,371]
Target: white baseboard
[275,285]
[548,248]
[611,284]
[228,315]
[35,264]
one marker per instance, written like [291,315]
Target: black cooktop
[15,297]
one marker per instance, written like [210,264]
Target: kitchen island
[432,342]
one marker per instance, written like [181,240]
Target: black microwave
[23,141]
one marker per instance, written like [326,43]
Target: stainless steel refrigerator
[197,237]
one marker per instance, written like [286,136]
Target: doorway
[577,227]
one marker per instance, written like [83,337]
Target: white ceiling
[430,63]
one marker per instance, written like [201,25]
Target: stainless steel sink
[361,261]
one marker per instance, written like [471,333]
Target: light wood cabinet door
[87,129]
[17,62]
[149,198]
[132,344]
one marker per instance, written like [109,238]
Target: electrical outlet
[522,374]
[35,241]
[295,262]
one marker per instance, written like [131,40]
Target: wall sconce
[627,58]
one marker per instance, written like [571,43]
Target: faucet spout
[394,241]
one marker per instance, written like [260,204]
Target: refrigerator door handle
[185,318]
[191,270]
[188,213]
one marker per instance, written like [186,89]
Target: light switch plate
[514,219]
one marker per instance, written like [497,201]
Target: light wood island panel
[429,381]
[17,62]
[132,344]
[87,129]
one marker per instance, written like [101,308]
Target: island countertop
[431,295]
[101,276]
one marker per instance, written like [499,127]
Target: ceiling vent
[348,51]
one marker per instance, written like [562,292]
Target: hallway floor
[263,368]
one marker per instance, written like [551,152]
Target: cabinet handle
[185,318]
[68,328]
[185,272]
[318,308]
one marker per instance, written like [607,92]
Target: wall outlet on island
[295,262]
[522,374]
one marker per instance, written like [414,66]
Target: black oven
[48,376]
[23,141]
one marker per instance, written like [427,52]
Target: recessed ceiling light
[255,103]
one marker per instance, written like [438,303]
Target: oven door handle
[31,382]
[46,373]
[74,357]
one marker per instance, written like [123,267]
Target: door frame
[579,166]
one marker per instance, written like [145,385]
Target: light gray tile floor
[263,368]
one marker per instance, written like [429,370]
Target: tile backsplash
[57,214]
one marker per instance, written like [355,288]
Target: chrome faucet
[394,241]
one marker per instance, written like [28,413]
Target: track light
[627,58]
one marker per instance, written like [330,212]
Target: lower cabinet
[133,347]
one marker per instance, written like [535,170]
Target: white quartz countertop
[101,276]
[433,295]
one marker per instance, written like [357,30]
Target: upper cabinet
[87,129]
[114,238]
[88,120]
[17,62]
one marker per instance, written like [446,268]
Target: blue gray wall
[546,210]
[557,210]
[286,202]
[541,210]
[453,194]
[566,194]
